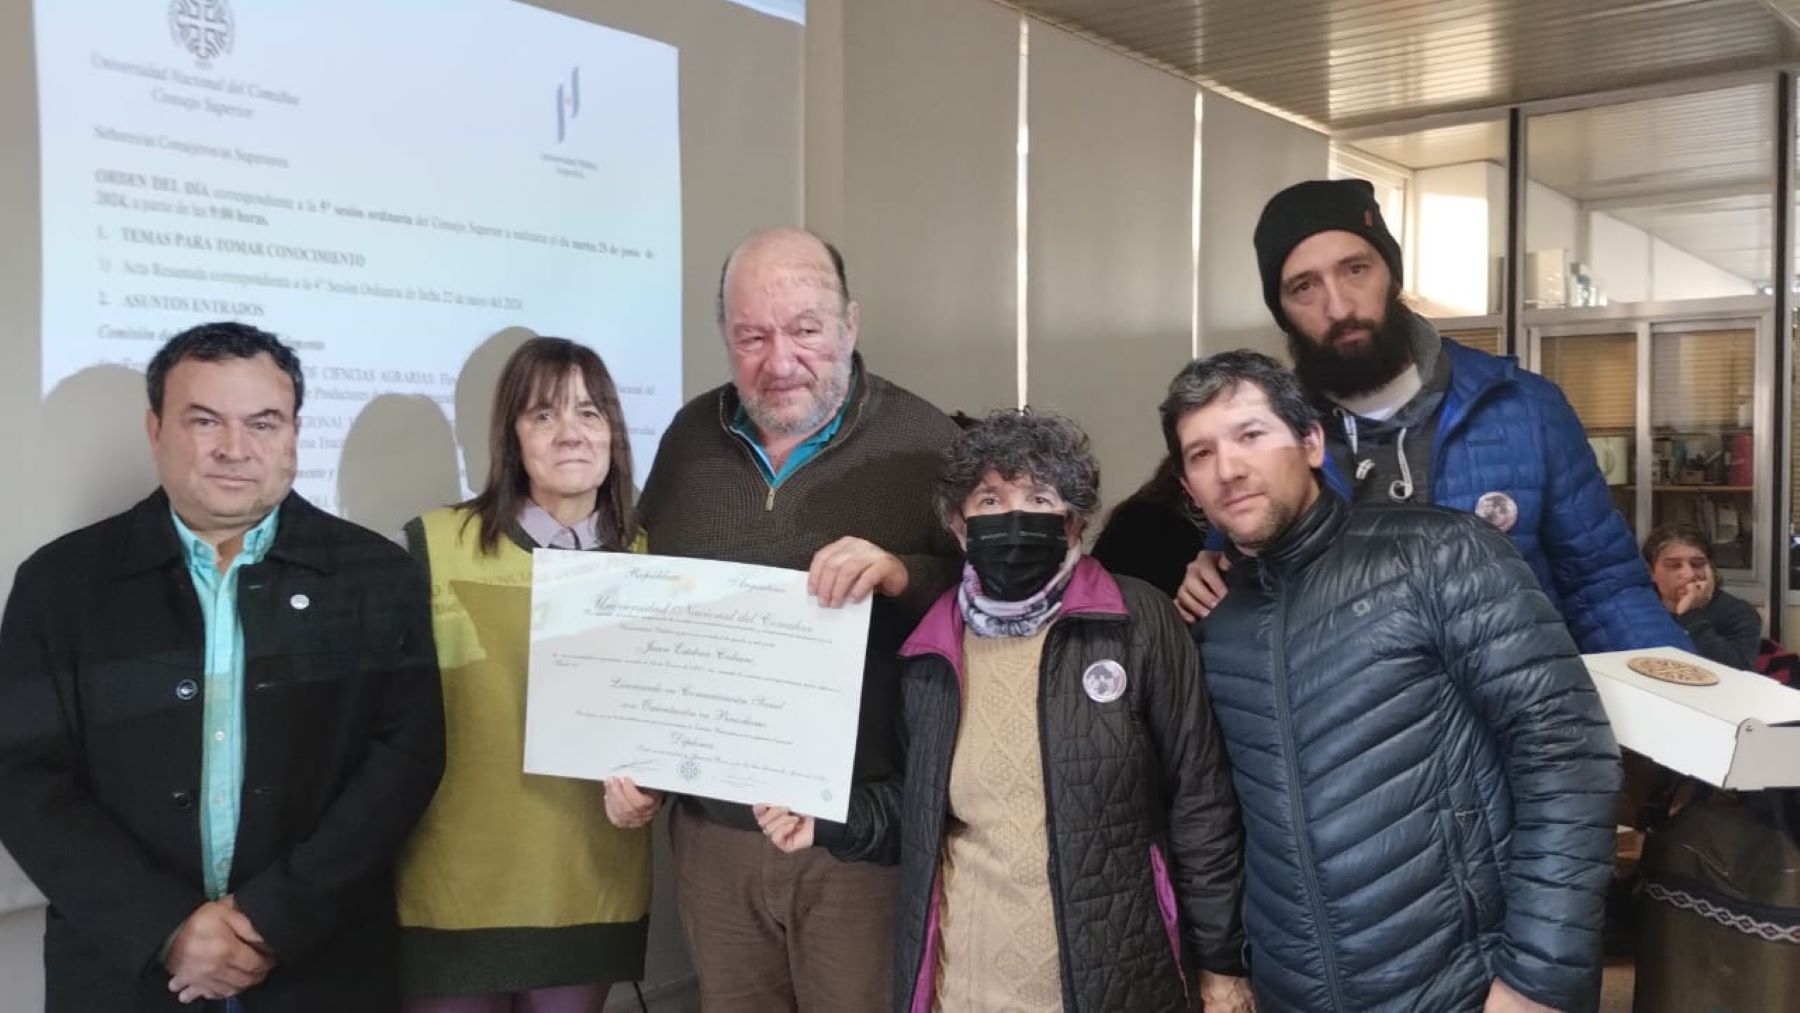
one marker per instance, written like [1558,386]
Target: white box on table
[1742,733]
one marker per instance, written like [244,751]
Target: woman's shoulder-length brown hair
[537,376]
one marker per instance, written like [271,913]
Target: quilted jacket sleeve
[1506,648]
[1609,602]
[1205,834]
[871,828]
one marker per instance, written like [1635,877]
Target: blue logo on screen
[568,103]
[205,28]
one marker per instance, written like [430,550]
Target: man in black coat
[219,717]
[1426,774]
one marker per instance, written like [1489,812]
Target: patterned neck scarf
[987,617]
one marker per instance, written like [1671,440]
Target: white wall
[21,960]
[1552,221]
[1111,278]
[1496,231]
[1246,157]
[1618,259]
[1628,264]
[24,529]
[1454,209]
[912,117]
[1678,274]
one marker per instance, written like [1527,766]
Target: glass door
[1597,368]
[1706,457]
[1676,414]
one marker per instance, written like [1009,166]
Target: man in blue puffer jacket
[1414,418]
[1425,772]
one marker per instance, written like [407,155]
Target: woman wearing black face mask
[1065,826]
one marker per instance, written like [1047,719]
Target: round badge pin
[299,601]
[1498,509]
[1104,681]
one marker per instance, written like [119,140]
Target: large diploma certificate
[715,679]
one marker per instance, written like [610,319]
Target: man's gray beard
[826,405]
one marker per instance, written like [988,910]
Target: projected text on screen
[383,186]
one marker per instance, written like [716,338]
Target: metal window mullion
[1781,365]
[1646,492]
[1515,228]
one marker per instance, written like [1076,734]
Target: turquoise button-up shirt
[803,453]
[222,718]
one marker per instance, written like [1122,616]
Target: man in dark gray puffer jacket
[1426,774]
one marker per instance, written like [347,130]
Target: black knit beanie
[1306,209]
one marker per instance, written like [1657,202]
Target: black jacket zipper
[1056,898]
[1296,811]
[948,757]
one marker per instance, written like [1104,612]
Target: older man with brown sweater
[807,461]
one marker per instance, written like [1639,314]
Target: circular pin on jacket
[299,601]
[1104,681]
[1498,509]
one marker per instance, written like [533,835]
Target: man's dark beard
[1329,369]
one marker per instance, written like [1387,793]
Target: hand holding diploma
[848,570]
[628,806]
[788,831]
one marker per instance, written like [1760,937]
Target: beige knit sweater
[998,948]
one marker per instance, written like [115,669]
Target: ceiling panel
[1696,170]
[1344,63]
[1705,143]
[1427,149]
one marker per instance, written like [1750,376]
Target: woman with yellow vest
[517,895]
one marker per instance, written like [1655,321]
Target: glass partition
[1658,200]
[1703,435]
[1598,371]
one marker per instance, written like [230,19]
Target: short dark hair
[1204,381]
[1675,534]
[225,339]
[1021,443]
[831,251]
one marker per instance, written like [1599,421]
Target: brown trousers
[777,933]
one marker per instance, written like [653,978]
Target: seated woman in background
[1724,628]
[1721,873]
[517,895]
[1154,533]
[1066,829]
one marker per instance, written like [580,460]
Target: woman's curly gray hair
[1041,445]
